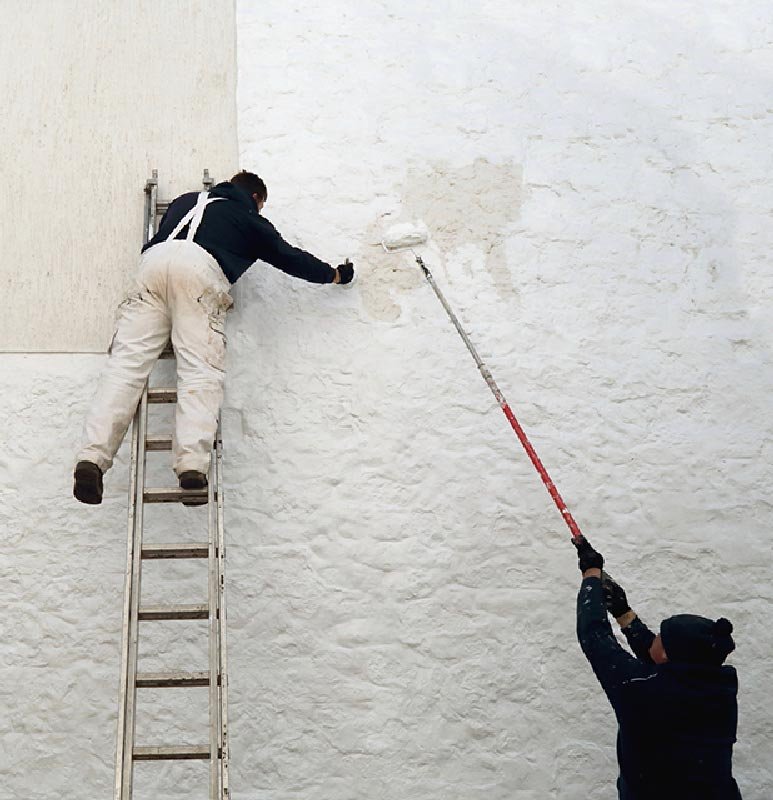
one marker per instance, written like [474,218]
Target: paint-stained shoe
[193,480]
[88,483]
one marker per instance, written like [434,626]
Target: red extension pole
[519,432]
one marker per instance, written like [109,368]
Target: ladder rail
[119,756]
[130,716]
[131,590]
[222,617]
[214,645]
[151,206]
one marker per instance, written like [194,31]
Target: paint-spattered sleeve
[613,665]
[273,249]
[640,639]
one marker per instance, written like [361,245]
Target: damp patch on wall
[469,212]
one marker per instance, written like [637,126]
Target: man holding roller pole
[205,243]
[674,699]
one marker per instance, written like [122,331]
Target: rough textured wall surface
[401,590]
[96,96]
[595,182]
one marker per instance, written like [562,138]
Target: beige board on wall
[96,95]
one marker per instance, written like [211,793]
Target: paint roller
[404,236]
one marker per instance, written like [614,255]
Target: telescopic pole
[503,404]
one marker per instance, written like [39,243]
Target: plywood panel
[94,100]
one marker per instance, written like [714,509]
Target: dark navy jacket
[236,235]
[677,722]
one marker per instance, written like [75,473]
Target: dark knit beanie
[697,640]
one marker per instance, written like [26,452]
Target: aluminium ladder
[135,615]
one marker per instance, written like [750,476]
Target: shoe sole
[197,485]
[86,488]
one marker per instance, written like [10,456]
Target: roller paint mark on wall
[385,276]
[469,212]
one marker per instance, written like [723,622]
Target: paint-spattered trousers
[181,291]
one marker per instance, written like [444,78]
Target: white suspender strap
[194,217]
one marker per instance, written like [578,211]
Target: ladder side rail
[214,641]
[137,444]
[218,662]
[222,627]
[151,203]
[130,717]
[127,598]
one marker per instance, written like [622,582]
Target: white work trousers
[181,291]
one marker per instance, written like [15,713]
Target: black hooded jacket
[236,235]
[677,721]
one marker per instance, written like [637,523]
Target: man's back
[677,730]
[677,721]
[236,235]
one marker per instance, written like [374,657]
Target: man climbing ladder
[205,243]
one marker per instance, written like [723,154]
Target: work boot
[197,481]
[88,483]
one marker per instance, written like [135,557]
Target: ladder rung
[175,550]
[173,753]
[173,495]
[158,443]
[165,443]
[162,395]
[163,680]
[200,611]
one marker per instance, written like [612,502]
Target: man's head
[690,639]
[253,185]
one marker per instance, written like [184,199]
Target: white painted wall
[96,95]
[401,590]
[595,177]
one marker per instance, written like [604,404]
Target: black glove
[345,272]
[614,596]
[588,557]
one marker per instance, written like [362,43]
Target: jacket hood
[231,192]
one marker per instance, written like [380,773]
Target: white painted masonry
[96,95]
[401,589]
